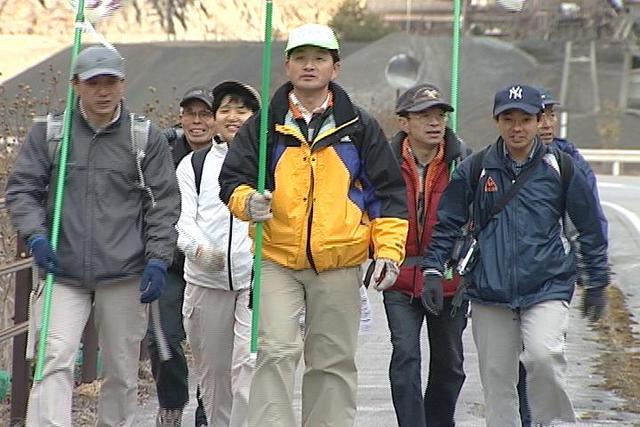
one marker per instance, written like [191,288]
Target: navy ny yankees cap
[517,97]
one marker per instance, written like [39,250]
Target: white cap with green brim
[312,35]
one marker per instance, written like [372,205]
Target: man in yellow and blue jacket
[335,196]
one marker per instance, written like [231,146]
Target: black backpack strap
[520,180]
[513,190]
[465,152]
[476,167]
[197,162]
[565,163]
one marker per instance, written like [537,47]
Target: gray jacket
[109,229]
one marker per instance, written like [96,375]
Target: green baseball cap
[312,35]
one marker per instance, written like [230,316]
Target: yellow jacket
[335,199]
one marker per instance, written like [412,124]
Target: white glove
[385,273]
[206,256]
[259,206]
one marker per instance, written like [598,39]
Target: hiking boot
[169,418]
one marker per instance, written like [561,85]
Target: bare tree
[170,13]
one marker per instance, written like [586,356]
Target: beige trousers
[329,385]
[121,322]
[218,326]
[499,334]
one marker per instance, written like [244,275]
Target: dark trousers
[171,376]
[446,373]
[525,413]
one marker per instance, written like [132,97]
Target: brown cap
[420,98]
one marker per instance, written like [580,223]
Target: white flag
[512,5]
[94,10]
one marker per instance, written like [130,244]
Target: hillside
[31,30]
[142,20]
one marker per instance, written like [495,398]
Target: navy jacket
[583,165]
[524,256]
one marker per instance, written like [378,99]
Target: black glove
[43,253]
[594,302]
[432,293]
[152,282]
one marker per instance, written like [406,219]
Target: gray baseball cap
[97,61]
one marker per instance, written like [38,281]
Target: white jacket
[205,220]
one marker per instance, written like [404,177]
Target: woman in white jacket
[217,270]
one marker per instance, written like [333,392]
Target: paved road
[595,407]
[621,200]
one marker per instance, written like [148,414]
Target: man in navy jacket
[523,280]
[547,134]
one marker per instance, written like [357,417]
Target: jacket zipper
[514,252]
[418,235]
[229,252]
[309,222]
[90,196]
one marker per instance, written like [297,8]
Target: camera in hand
[464,254]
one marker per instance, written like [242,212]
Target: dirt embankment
[31,30]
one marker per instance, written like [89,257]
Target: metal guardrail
[613,156]
[14,267]
[20,367]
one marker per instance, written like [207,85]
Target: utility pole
[408,18]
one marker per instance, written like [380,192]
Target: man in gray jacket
[116,238]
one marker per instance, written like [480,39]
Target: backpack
[140,127]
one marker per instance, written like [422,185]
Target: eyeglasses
[203,114]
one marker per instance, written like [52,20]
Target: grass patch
[619,362]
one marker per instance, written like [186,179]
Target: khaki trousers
[218,326]
[329,385]
[121,322]
[499,334]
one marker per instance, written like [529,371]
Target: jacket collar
[121,111]
[496,159]
[343,109]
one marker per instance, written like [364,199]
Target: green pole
[59,193]
[455,60]
[262,160]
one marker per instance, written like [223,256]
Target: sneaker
[169,418]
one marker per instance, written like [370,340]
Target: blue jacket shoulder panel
[581,163]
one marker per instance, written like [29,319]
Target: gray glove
[259,206]
[385,273]
[209,258]
[206,256]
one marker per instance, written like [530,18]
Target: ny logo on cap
[515,92]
